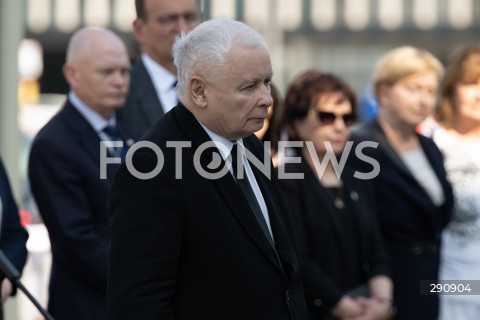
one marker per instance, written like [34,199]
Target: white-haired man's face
[238,102]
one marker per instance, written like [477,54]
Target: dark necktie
[113,134]
[249,194]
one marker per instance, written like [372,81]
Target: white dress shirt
[163,81]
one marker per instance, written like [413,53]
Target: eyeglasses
[330,117]
[171,19]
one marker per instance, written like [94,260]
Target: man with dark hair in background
[154,76]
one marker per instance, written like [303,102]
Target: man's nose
[182,24]
[267,97]
[120,78]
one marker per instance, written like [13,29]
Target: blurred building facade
[341,36]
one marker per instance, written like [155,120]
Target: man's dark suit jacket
[64,172]
[13,237]
[411,224]
[142,107]
[191,248]
[328,273]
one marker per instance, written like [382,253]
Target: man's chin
[117,103]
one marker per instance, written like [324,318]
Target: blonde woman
[413,196]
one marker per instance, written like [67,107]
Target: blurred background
[341,36]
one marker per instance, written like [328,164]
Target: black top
[349,264]
[406,212]
[191,248]
[341,249]
[409,221]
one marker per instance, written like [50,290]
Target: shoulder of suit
[56,122]
[426,140]
[252,142]
[165,129]
[429,145]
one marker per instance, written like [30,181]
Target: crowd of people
[334,219]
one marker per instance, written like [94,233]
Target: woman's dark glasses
[329,117]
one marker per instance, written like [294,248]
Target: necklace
[337,196]
[339,203]
[339,199]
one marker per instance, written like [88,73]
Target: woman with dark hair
[345,268]
[458,137]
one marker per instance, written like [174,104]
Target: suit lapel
[431,210]
[283,245]
[437,165]
[150,107]
[380,137]
[226,184]
[398,162]
[86,136]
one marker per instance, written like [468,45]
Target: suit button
[287,296]
[417,248]
[366,266]
[317,302]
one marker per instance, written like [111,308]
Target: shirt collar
[223,144]
[97,122]
[162,78]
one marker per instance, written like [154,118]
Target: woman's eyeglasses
[330,117]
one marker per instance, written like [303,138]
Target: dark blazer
[64,172]
[327,270]
[411,224]
[190,248]
[13,237]
[142,107]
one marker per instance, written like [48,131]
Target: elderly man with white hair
[188,242]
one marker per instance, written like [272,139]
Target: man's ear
[69,74]
[137,29]
[197,91]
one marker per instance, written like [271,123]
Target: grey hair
[206,48]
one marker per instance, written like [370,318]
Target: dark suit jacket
[191,248]
[409,221]
[64,172]
[13,237]
[142,107]
[327,272]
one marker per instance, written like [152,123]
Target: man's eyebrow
[253,80]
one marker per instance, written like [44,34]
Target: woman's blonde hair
[464,67]
[403,62]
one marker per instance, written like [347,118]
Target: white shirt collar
[222,142]
[97,122]
[162,79]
